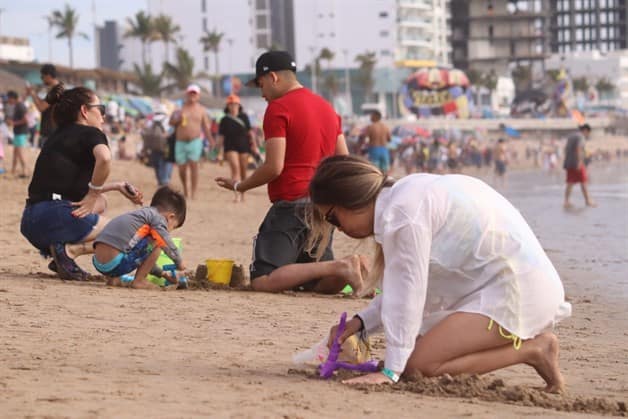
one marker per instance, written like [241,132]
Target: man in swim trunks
[379,137]
[575,166]
[189,121]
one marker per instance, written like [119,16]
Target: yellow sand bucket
[219,270]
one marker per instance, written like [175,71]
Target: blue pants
[163,168]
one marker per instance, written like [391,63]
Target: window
[261,4]
[578,34]
[602,18]
[203,6]
[206,62]
[261,21]
[383,14]
[262,41]
[205,24]
[385,53]
[384,33]
[490,31]
[603,33]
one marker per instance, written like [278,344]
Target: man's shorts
[380,157]
[20,140]
[281,240]
[185,151]
[577,175]
[125,262]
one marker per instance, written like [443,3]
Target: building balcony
[509,57]
[414,4]
[508,16]
[415,23]
[504,38]
[416,43]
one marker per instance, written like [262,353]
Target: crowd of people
[466,286]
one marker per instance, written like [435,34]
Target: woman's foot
[66,267]
[545,361]
[351,271]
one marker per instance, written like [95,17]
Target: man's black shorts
[281,240]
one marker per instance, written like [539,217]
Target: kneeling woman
[466,286]
[62,213]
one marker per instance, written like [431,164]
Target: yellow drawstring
[516,340]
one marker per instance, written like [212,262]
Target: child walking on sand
[134,240]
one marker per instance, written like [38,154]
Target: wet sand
[87,350]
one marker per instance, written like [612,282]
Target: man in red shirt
[301,129]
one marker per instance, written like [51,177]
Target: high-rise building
[497,35]
[108,45]
[586,25]
[273,25]
[423,31]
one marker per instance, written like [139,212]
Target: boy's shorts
[125,263]
[185,151]
[281,240]
[20,140]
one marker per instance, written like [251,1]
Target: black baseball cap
[272,61]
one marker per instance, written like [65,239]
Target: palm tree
[67,22]
[365,77]
[166,29]
[580,84]
[211,42]
[149,82]
[142,28]
[183,71]
[51,24]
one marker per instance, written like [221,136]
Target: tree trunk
[71,52]
[218,86]
[144,54]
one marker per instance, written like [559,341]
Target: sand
[86,350]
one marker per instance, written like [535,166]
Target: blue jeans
[163,168]
[49,222]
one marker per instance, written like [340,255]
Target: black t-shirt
[233,130]
[19,113]
[66,163]
[47,125]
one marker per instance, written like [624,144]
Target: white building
[422,31]
[18,49]
[395,30]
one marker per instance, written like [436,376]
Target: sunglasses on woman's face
[331,218]
[99,106]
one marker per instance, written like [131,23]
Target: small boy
[134,240]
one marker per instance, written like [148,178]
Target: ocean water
[582,238]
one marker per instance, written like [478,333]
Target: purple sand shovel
[332,364]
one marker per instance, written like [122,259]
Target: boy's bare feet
[113,282]
[591,204]
[144,285]
[545,361]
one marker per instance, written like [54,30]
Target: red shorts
[577,175]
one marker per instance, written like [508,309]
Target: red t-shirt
[311,128]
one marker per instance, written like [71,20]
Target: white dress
[453,244]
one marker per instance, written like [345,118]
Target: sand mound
[474,386]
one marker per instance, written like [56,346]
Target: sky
[25,19]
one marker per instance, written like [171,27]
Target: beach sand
[86,350]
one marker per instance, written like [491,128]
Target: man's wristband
[392,376]
[93,187]
[235,185]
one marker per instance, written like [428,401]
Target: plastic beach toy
[172,268]
[332,364]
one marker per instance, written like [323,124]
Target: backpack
[154,137]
